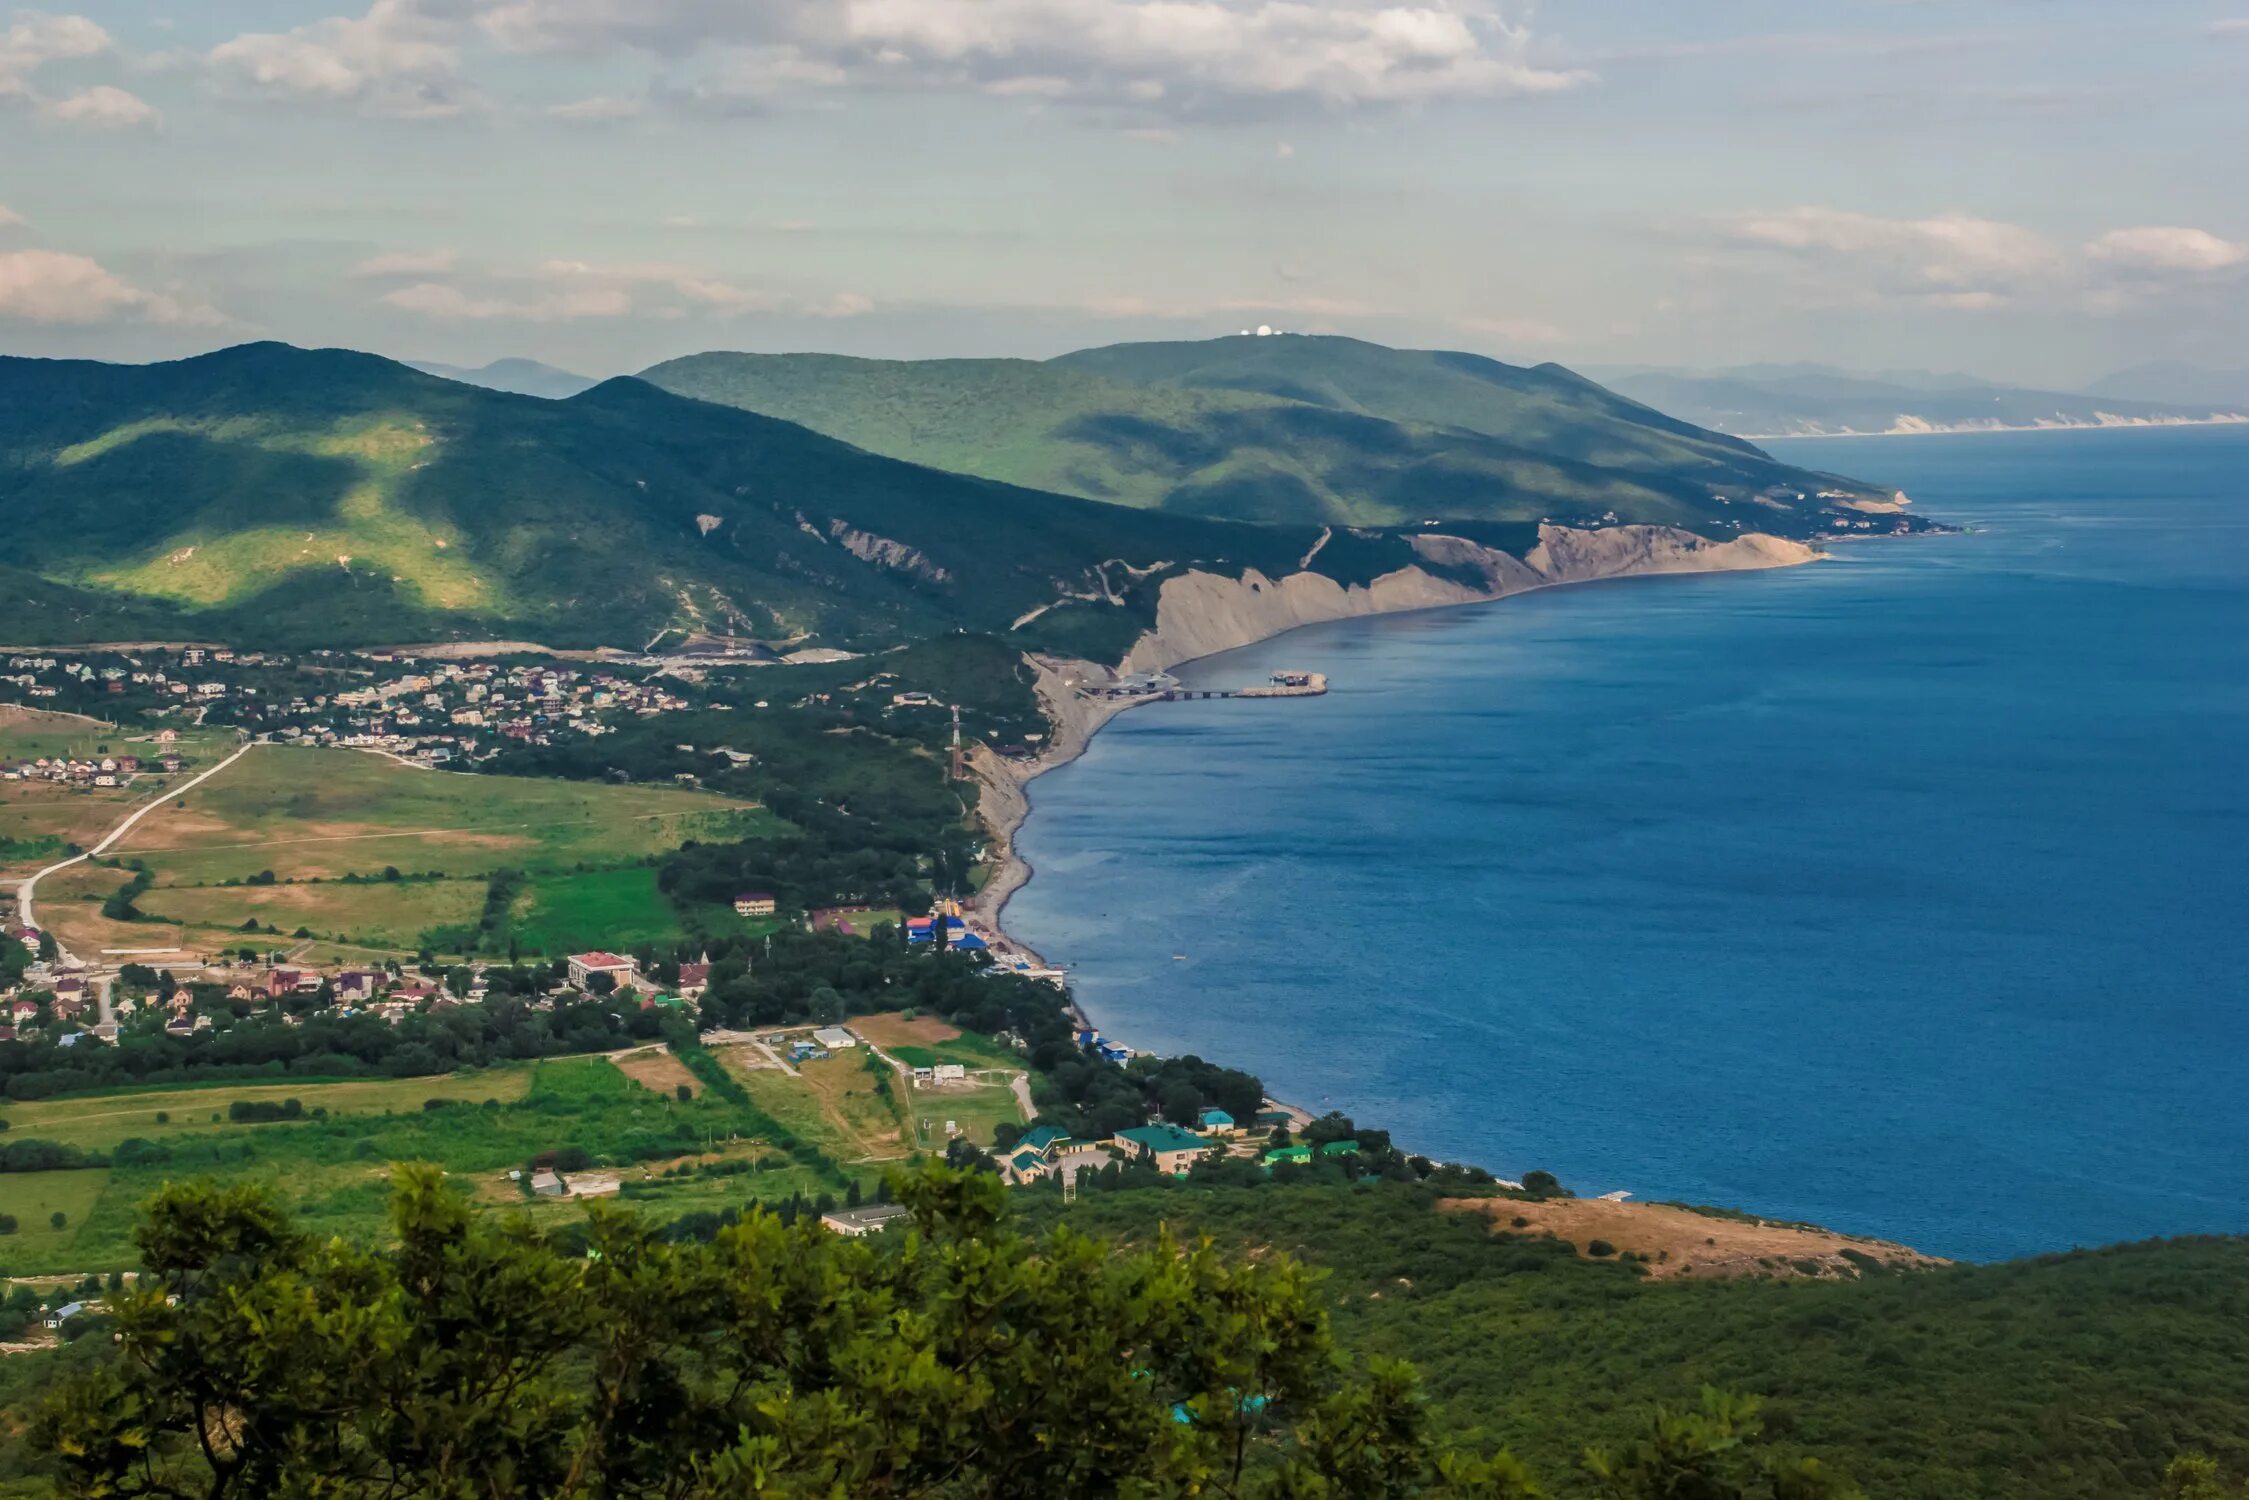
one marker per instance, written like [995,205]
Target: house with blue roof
[1216,1122]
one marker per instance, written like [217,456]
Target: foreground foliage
[955,1358]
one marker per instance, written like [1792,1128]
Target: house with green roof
[1042,1139]
[1340,1148]
[1216,1122]
[1171,1149]
[1294,1156]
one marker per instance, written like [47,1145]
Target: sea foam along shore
[1200,614]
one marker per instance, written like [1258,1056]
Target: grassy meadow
[362,856]
[333,1169]
[38,819]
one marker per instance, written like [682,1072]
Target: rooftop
[1162,1138]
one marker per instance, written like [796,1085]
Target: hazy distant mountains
[1810,400]
[523,377]
[1287,429]
[2174,381]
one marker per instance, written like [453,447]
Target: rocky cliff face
[1198,614]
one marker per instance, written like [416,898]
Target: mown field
[331,1165]
[359,855]
[38,819]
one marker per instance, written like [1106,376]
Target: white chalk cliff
[1200,613]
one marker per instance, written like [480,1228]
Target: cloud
[1837,258]
[50,286]
[102,106]
[2230,27]
[401,59]
[598,108]
[33,40]
[2165,249]
[1169,56]
[564,291]
[9,218]
[408,263]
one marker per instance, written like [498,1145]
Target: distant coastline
[1966,429]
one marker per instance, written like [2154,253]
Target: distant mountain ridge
[522,377]
[281,495]
[1290,429]
[1760,401]
[2176,381]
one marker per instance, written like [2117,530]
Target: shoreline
[2133,426]
[1004,803]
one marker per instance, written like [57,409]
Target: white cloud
[2231,26]
[9,218]
[102,106]
[562,291]
[598,108]
[408,263]
[1948,251]
[33,40]
[400,59]
[2160,249]
[1180,56]
[50,286]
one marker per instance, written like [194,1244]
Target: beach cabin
[1294,1156]
[1216,1122]
[1334,1149]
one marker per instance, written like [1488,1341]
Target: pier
[1161,687]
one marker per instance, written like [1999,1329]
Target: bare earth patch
[1680,1242]
[891,1029]
[655,1068]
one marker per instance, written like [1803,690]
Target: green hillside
[1284,430]
[306,497]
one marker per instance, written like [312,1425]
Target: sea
[1905,893]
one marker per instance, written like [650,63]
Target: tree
[48,951]
[1543,1185]
[1710,1454]
[58,1219]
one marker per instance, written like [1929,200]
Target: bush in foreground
[955,1358]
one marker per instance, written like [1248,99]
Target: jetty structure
[1161,687]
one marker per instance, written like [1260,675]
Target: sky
[2039,191]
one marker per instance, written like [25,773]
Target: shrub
[1600,1248]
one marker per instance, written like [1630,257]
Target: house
[873,1219]
[1024,1165]
[1335,1149]
[1217,1122]
[1293,1156]
[1171,1149]
[694,979]
[1044,1139]
[64,1314]
[547,1183]
[834,1038]
[584,966]
[755,904]
[945,1073]
[919,929]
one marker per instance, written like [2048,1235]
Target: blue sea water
[1906,893]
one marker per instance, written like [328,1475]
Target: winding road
[25,891]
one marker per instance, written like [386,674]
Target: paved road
[30,886]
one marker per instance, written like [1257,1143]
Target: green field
[611,909]
[98,1122]
[832,1103]
[34,1198]
[320,830]
[305,813]
[334,1172]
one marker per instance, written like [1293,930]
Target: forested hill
[275,495]
[1285,429]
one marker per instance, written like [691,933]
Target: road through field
[24,892]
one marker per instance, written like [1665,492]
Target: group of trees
[958,1358]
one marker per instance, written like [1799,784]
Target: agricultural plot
[333,1172]
[836,1103]
[363,856]
[322,814]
